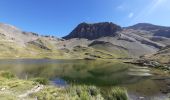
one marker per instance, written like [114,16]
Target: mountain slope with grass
[125,41]
[160,34]
[15,43]
[103,40]
[162,56]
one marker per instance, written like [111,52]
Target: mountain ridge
[155,29]
[109,41]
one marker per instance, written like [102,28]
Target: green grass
[11,88]
[118,93]
[7,75]
[40,80]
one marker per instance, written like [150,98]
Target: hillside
[134,45]
[154,30]
[163,55]
[160,34]
[98,40]
[15,43]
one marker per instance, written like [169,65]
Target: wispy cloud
[131,14]
[156,4]
[147,11]
[120,7]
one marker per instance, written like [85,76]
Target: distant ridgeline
[104,40]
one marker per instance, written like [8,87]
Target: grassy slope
[115,51]
[98,52]
[46,48]
[162,56]
[13,50]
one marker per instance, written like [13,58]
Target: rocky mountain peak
[94,31]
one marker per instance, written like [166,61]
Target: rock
[168,68]
[94,31]
[89,58]
[2,89]
[55,94]
[141,98]
[164,92]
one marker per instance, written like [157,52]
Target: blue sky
[59,17]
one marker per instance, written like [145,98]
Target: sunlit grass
[118,93]
[11,87]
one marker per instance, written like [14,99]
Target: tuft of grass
[118,93]
[7,74]
[83,92]
[40,80]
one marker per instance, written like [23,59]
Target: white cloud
[131,15]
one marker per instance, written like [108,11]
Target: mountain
[94,31]
[126,41]
[154,30]
[13,34]
[97,40]
[15,43]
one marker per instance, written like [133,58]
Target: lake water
[137,80]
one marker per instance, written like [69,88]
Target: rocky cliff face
[94,31]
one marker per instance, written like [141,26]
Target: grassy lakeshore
[12,88]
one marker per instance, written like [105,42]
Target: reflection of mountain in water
[139,71]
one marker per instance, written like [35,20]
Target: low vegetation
[12,88]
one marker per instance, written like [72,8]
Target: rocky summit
[94,31]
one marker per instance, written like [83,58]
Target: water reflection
[59,82]
[99,73]
[77,71]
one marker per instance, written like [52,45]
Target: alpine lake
[139,81]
